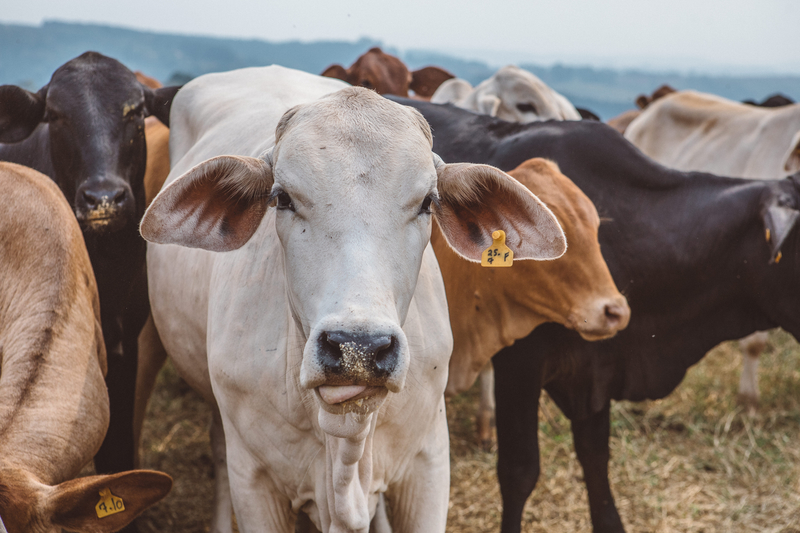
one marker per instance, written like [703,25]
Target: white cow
[322,333]
[689,130]
[512,94]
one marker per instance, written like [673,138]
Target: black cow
[85,129]
[775,100]
[687,248]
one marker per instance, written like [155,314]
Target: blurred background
[600,55]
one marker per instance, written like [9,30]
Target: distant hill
[30,54]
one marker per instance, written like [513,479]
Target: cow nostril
[614,314]
[119,196]
[385,349]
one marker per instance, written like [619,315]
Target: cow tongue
[333,394]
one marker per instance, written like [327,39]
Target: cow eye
[285,201]
[425,208]
[366,83]
[527,108]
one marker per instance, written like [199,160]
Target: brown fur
[425,81]
[53,399]
[375,70]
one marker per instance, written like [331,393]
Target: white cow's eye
[527,108]
[425,208]
[284,201]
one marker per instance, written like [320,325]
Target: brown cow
[53,399]
[623,120]
[387,74]
[491,308]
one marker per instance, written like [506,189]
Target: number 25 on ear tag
[498,254]
[108,504]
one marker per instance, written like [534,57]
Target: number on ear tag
[498,254]
[108,504]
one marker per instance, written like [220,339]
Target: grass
[692,462]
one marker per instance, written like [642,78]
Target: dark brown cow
[386,74]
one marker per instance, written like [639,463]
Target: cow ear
[476,200]
[158,102]
[488,104]
[335,71]
[779,220]
[216,206]
[73,504]
[21,112]
[791,164]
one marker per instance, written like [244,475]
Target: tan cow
[387,74]
[623,120]
[490,308]
[53,399]
[689,130]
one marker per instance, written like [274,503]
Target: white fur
[240,326]
[499,95]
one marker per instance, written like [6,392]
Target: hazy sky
[719,35]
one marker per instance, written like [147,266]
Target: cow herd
[272,232]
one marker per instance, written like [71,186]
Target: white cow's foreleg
[752,346]
[485,421]
[221,520]
[258,504]
[419,502]
[380,522]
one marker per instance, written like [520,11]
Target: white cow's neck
[348,470]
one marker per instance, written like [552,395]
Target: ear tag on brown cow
[767,234]
[498,254]
[108,504]
[778,257]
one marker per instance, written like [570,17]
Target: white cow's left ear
[476,200]
[216,206]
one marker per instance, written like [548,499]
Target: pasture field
[692,462]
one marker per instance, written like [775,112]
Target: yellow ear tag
[767,234]
[778,257]
[108,504]
[498,254]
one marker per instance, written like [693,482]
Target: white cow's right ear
[216,206]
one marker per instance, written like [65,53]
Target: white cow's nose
[349,358]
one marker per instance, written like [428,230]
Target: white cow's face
[355,194]
[355,184]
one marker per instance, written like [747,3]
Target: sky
[714,36]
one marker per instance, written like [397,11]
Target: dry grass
[693,462]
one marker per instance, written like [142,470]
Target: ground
[690,463]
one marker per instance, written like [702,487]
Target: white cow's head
[355,185]
[516,95]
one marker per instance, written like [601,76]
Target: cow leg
[419,500]
[152,356]
[116,453]
[591,446]
[517,391]
[752,346]
[485,422]
[380,522]
[221,520]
